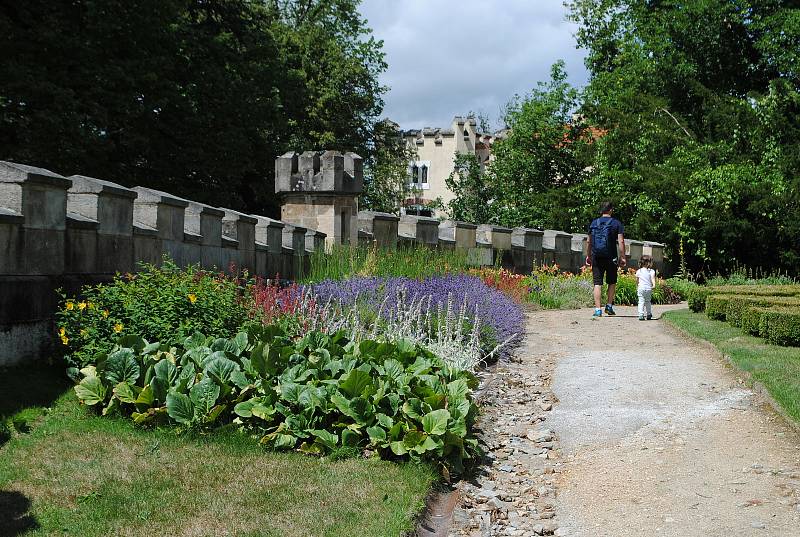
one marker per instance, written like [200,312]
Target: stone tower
[319,190]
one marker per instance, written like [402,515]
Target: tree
[699,100]
[194,97]
[545,152]
[387,183]
[472,192]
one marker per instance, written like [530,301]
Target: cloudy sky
[449,57]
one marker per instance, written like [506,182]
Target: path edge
[756,386]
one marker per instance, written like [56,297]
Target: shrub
[751,319]
[737,305]
[514,285]
[316,394]
[781,326]
[164,304]
[681,287]
[698,295]
[717,306]
[491,307]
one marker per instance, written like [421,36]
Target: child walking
[646,281]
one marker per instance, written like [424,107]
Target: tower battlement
[319,172]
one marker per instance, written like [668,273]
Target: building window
[418,174]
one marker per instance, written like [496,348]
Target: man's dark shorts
[604,266]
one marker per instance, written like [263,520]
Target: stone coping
[82,184]
[379,216]
[11,172]
[149,195]
[458,224]
[231,215]
[556,233]
[414,218]
[7,216]
[526,231]
[264,221]
[192,238]
[77,221]
[652,243]
[495,229]
[229,242]
[144,230]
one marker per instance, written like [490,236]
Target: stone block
[383,226]
[420,229]
[365,238]
[11,242]
[294,238]
[81,245]
[561,245]
[270,233]
[39,195]
[463,233]
[499,237]
[110,204]
[146,245]
[204,221]
[315,241]
[242,227]
[633,251]
[161,211]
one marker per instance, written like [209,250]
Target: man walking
[605,237]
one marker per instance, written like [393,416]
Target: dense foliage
[690,123]
[165,304]
[319,393]
[197,98]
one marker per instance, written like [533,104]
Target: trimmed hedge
[717,306]
[737,305]
[698,295]
[781,326]
[751,319]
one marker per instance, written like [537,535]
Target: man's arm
[622,260]
[589,250]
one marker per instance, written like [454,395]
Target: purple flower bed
[494,308]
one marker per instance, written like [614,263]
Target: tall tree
[190,96]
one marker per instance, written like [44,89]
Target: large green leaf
[259,359]
[326,438]
[435,422]
[180,408]
[356,382]
[160,388]
[91,391]
[220,368]
[395,371]
[145,399]
[376,434]
[125,392]
[204,396]
[121,366]
[166,371]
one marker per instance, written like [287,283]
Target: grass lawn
[777,368]
[73,473]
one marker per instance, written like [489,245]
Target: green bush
[717,306]
[751,319]
[681,286]
[318,394]
[781,326]
[698,295]
[737,305]
[164,304]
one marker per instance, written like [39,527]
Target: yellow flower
[192,298]
[81,306]
[62,331]
[70,305]
[105,314]
[83,332]
[118,328]
[91,305]
[65,340]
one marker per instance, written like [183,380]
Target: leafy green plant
[317,394]
[165,303]
[681,286]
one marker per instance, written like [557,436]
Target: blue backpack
[603,244]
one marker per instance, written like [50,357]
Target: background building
[436,149]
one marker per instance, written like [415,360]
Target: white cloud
[447,57]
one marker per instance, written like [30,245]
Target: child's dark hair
[606,207]
[645,261]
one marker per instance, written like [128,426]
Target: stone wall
[65,232]
[518,249]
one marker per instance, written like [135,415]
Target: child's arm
[653,278]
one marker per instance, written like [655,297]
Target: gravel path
[659,437]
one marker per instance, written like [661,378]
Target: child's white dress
[645,291]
